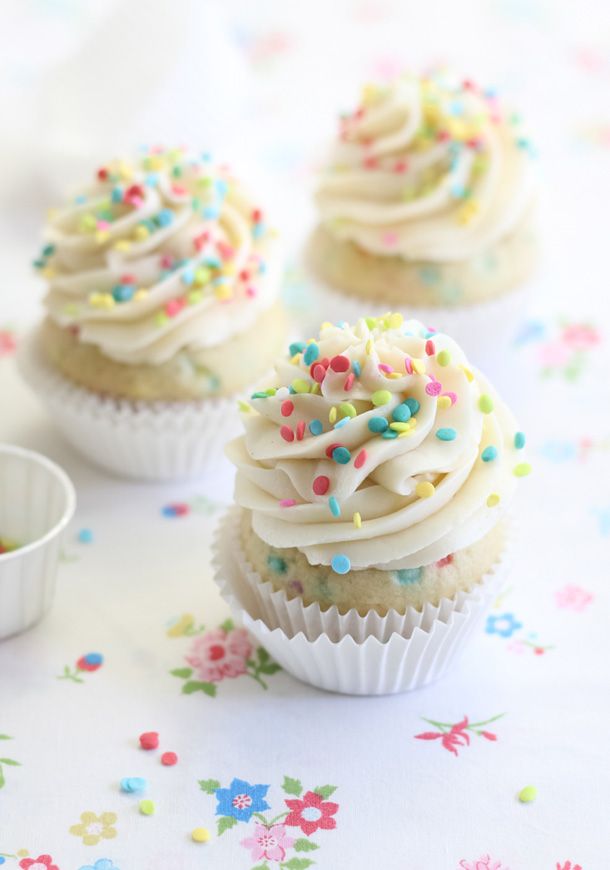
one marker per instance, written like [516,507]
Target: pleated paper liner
[349,653]
[162,441]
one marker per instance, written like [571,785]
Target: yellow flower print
[182,626]
[95,828]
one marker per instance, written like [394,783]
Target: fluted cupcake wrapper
[162,441]
[349,653]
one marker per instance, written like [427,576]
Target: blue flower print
[101,864]
[504,624]
[241,799]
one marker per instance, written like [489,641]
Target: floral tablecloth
[139,642]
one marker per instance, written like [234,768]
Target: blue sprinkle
[164,218]
[81,199]
[133,784]
[316,427]
[356,368]
[378,424]
[405,576]
[151,180]
[342,422]
[123,292]
[446,434]
[340,564]
[519,440]
[489,454]
[85,536]
[211,212]
[334,506]
[117,194]
[413,406]
[342,455]
[188,276]
[258,230]
[262,267]
[211,261]
[277,564]
[296,347]
[312,352]
[389,434]
[401,413]
[221,187]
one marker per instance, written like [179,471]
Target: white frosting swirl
[160,256]
[419,498]
[427,169]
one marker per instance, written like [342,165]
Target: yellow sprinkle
[443,402]
[244,407]
[419,366]
[346,409]
[223,291]
[406,434]
[102,236]
[400,427]
[393,375]
[140,294]
[315,388]
[493,499]
[486,404]
[200,835]
[122,245]
[528,794]
[467,211]
[522,470]
[357,520]
[332,415]
[194,297]
[147,807]
[443,357]
[295,359]
[394,320]
[229,269]
[369,346]
[48,272]
[202,276]
[425,489]
[300,386]
[325,325]
[141,232]
[468,373]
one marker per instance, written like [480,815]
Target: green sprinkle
[277,564]
[528,794]
[489,454]
[522,470]
[300,386]
[443,357]
[147,807]
[260,394]
[346,409]
[48,250]
[486,404]
[371,322]
[519,440]
[244,407]
[378,424]
[446,434]
[381,397]
[161,318]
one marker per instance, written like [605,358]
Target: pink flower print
[268,842]
[554,354]
[573,598]
[486,862]
[567,865]
[578,336]
[8,344]
[218,654]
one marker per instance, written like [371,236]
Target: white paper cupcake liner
[349,653]
[157,441]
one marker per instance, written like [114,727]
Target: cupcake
[162,307]
[373,482]
[426,204]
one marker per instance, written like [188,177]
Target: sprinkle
[318,373]
[389,434]
[85,536]
[408,366]
[312,352]
[519,440]
[451,396]
[147,807]
[149,740]
[446,434]
[528,794]
[486,404]
[468,373]
[381,397]
[405,576]
[164,218]
[378,424]
[300,386]
[123,293]
[333,504]
[433,388]
[385,368]
[360,459]
[357,520]
[200,835]
[341,455]
[339,363]
[493,500]
[332,415]
[277,564]
[444,402]
[522,470]
[347,409]
[349,382]
[340,563]
[168,759]
[287,433]
[401,413]
[413,406]
[394,320]
[287,502]
[489,454]
[316,427]
[430,349]
[300,430]
[287,408]
[296,347]
[356,368]
[400,427]
[443,357]
[320,484]
[424,489]
[419,367]
[342,422]
[133,784]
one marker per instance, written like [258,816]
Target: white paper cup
[37,501]
[349,653]
[162,441]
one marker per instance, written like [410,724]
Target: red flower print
[43,862]
[311,813]
[218,654]
[452,736]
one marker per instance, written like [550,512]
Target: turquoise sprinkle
[122,292]
[316,427]
[342,455]
[401,414]
[277,564]
[187,277]
[258,230]
[210,212]
[489,454]
[378,424]
[405,576]
[221,187]
[446,434]
[519,440]
[81,199]
[151,180]
[312,352]
[334,506]
[340,563]
[164,218]
[413,406]
[296,347]
[356,368]
[389,434]
[117,194]
[342,422]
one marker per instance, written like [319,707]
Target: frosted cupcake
[373,477]
[426,202]
[162,283]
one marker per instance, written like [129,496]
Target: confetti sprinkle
[425,489]
[200,835]
[149,740]
[381,397]
[316,427]
[489,454]
[522,470]
[443,358]
[528,794]
[147,807]
[133,784]
[340,563]
[357,520]
[321,484]
[85,536]
[333,504]
[413,406]
[401,413]
[287,408]
[493,500]
[169,759]
[486,404]
[378,424]
[341,455]
[519,440]
[446,434]
[360,459]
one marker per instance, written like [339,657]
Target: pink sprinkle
[287,502]
[401,166]
[166,261]
[318,373]
[173,307]
[287,408]
[430,349]
[320,484]
[128,279]
[452,396]
[360,459]
[200,240]
[384,367]
[102,225]
[300,430]
[370,162]
[389,239]
[434,388]
[251,292]
[408,365]
[225,251]
[349,382]
[287,433]
[179,189]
